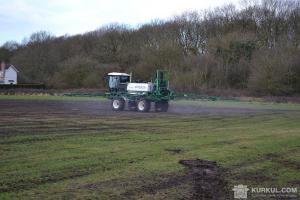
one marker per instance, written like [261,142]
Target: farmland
[76,148]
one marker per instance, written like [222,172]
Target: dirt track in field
[102,108]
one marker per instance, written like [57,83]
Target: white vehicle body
[139,87]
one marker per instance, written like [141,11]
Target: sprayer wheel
[118,104]
[143,105]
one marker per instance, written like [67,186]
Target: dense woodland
[253,47]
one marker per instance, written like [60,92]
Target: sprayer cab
[118,81]
[139,95]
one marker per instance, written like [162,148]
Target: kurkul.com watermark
[242,192]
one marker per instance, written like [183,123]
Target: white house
[8,74]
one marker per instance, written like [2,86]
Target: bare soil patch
[207,179]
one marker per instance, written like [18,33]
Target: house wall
[1,77]
[10,76]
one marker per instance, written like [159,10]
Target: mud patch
[207,179]
[201,180]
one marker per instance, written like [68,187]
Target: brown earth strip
[207,179]
[30,108]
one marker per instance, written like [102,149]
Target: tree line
[255,47]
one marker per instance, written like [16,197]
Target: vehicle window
[124,79]
[113,81]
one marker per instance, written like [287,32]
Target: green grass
[103,158]
[50,98]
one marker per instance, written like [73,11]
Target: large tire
[132,105]
[143,105]
[161,106]
[118,104]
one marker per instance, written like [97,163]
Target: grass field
[113,157]
[50,98]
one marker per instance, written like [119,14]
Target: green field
[112,157]
[45,97]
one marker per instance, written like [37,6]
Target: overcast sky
[20,18]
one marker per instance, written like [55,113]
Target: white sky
[20,18]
